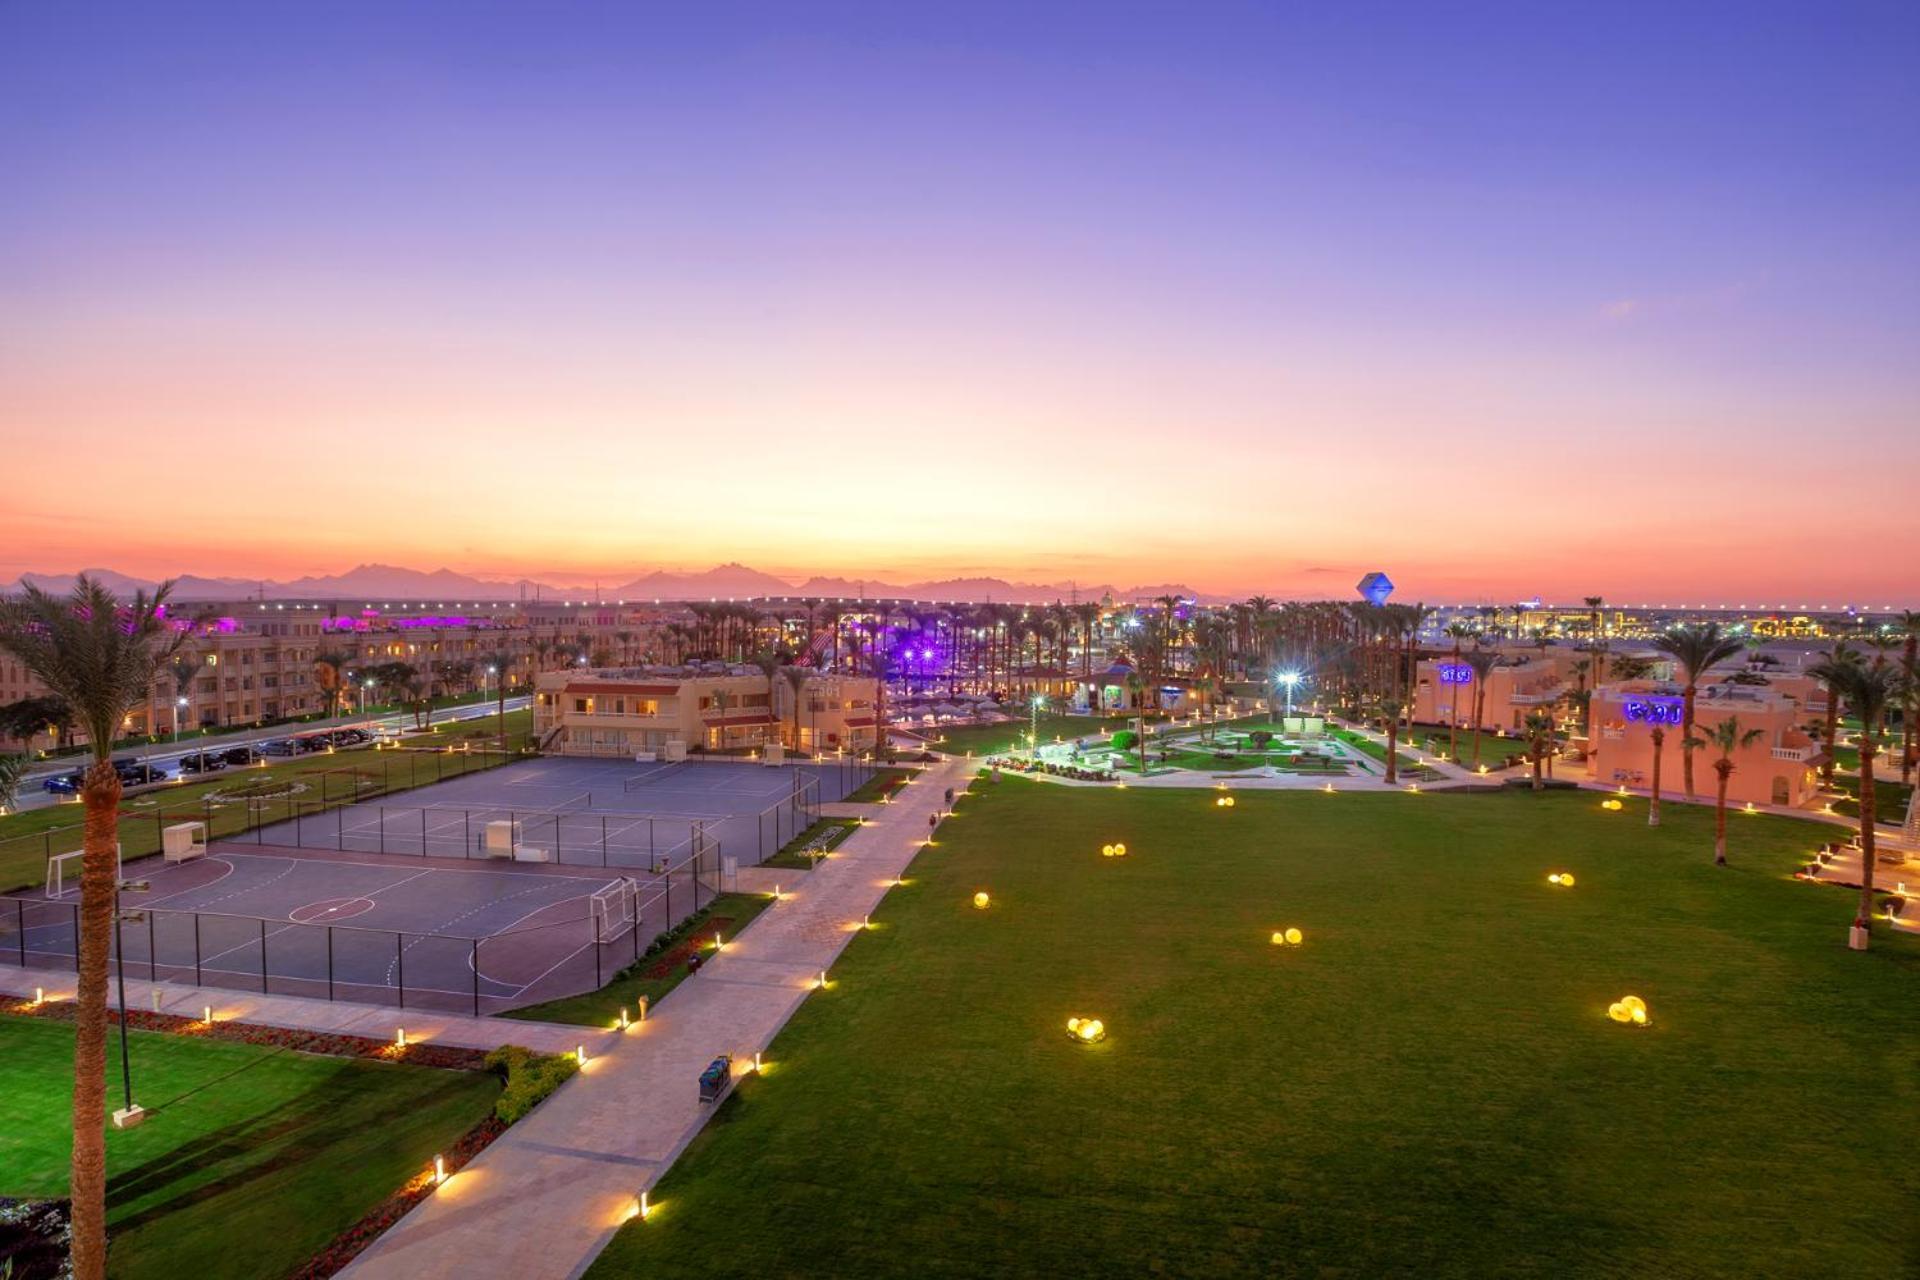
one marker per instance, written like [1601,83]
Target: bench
[183,842]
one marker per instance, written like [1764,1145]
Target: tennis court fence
[576,948]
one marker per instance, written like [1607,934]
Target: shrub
[529,1077]
[1260,738]
[1125,740]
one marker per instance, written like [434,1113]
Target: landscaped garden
[986,739]
[252,1159]
[1428,1084]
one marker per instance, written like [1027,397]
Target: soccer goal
[612,910]
[57,871]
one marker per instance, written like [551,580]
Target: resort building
[1526,680]
[666,711]
[1778,767]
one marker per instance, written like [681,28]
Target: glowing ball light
[1611,804]
[1086,1030]
[981,900]
[1113,851]
[1629,1009]
[1562,878]
[1290,937]
[1223,802]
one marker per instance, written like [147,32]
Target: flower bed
[34,1238]
[327,1043]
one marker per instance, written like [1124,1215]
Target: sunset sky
[1504,300]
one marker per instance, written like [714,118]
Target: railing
[1797,754]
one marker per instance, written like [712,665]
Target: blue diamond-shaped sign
[1376,587]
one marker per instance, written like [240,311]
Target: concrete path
[376,1022]
[545,1198]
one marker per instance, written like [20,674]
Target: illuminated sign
[1455,673]
[1654,710]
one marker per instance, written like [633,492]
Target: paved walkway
[376,1022]
[545,1198]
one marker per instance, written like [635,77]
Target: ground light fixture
[580,1054]
[1086,1030]
[981,901]
[1223,802]
[206,1014]
[1562,878]
[39,995]
[640,1208]
[1612,805]
[1113,851]
[1630,1010]
[399,1037]
[1288,937]
[439,1170]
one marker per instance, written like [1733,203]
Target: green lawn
[985,739]
[1429,1086]
[651,976]
[251,1160]
[1889,799]
[884,781]
[1407,769]
[26,838]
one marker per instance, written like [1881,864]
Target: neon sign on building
[1662,711]
[1455,673]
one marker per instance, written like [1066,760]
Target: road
[167,755]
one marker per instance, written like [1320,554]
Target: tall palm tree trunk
[1686,751]
[1659,738]
[1868,823]
[97,892]
[1720,822]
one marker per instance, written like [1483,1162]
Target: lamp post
[1286,680]
[131,1115]
[179,709]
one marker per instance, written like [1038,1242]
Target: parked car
[311,742]
[276,747]
[64,784]
[350,737]
[239,755]
[205,762]
[134,774]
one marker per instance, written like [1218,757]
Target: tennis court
[595,813]
[410,932]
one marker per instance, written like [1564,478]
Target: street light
[179,709]
[132,1115]
[1286,680]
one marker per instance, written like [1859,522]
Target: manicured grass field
[253,1158]
[881,784]
[985,739]
[1430,1085]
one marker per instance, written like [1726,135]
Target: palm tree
[1658,736]
[1728,737]
[498,663]
[1910,697]
[101,657]
[796,678]
[183,669]
[1698,649]
[12,768]
[1869,691]
[1599,641]
[1457,632]
[1482,661]
[1840,657]
[1137,686]
[1539,727]
[332,670]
